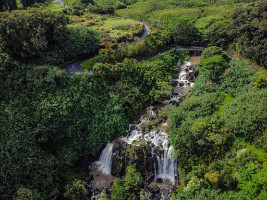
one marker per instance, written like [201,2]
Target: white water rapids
[165,167]
[105,160]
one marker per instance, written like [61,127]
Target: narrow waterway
[160,162]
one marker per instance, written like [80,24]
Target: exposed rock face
[125,154]
[119,157]
[160,189]
[147,146]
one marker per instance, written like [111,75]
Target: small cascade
[167,167]
[184,78]
[105,160]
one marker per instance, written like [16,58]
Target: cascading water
[167,167]
[163,166]
[105,160]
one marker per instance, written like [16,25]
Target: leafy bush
[76,190]
[246,114]
[42,34]
[80,42]
[128,187]
[182,32]
[212,51]
[253,181]
[31,33]
[57,120]
[214,66]
[237,78]
[206,194]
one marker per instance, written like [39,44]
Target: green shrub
[128,187]
[246,115]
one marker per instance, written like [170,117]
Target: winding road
[75,66]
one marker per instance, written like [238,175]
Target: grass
[250,62]
[261,154]
[195,59]
[113,26]
[88,64]
[226,100]
[54,6]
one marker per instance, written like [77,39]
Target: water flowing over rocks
[146,145]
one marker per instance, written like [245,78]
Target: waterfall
[167,167]
[105,160]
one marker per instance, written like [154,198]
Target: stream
[154,155]
[151,145]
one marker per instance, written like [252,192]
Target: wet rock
[154,192]
[160,191]
[166,102]
[181,84]
[132,127]
[142,126]
[174,82]
[119,158]
[148,178]
[159,180]
[148,148]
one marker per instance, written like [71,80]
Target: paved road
[253,67]
[75,66]
[174,47]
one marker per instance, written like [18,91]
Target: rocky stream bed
[146,144]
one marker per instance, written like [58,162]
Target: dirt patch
[195,59]
[101,180]
[181,90]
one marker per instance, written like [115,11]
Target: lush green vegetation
[50,121]
[219,130]
[44,35]
[141,83]
[123,29]
[112,52]
[228,24]
[54,6]
[14,4]
[128,187]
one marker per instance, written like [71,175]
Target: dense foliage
[13,4]
[50,121]
[141,83]
[248,32]
[212,128]
[43,34]
[233,25]
[128,187]
[55,121]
